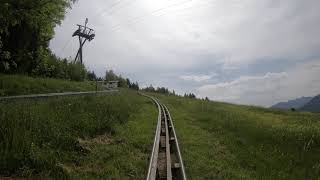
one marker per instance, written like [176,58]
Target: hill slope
[84,137]
[313,105]
[296,103]
[226,141]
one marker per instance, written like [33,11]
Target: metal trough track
[165,161]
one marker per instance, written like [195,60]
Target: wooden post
[96,85]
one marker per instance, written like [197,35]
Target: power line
[184,9]
[65,45]
[123,6]
[142,18]
[138,19]
[109,8]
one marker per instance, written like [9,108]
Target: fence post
[96,85]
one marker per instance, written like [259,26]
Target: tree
[99,79]
[190,95]
[128,82]
[91,76]
[150,88]
[26,29]
[122,82]
[134,86]
[110,76]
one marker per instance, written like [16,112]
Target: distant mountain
[313,105]
[296,103]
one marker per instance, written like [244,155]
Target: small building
[112,84]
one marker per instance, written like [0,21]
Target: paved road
[32,96]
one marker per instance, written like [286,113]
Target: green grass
[110,137]
[94,137]
[124,155]
[21,84]
[225,141]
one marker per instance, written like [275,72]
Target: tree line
[162,90]
[190,95]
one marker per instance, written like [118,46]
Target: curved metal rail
[165,161]
[34,96]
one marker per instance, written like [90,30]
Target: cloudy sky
[240,51]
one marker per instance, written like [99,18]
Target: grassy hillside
[225,141]
[20,84]
[110,137]
[99,137]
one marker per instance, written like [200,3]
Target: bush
[54,67]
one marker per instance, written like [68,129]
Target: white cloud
[175,37]
[197,78]
[152,39]
[268,89]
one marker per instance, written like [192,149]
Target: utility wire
[141,18]
[155,12]
[187,8]
[65,45]
[121,7]
[111,9]
[108,8]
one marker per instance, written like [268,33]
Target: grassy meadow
[225,141]
[110,136]
[21,84]
[92,137]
